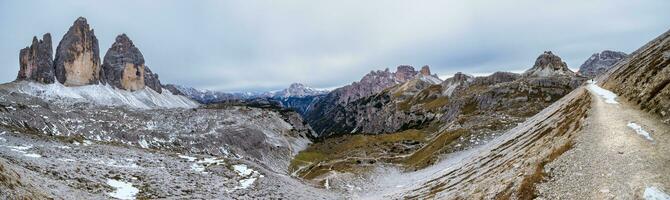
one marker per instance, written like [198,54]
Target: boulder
[36,63]
[77,60]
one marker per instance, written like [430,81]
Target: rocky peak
[451,84]
[36,62]
[124,65]
[425,70]
[598,63]
[404,73]
[77,60]
[549,64]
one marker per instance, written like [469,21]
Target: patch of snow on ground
[249,175]
[189,158]
[638,129]
[609,96]
[106,95]
[123,190]
[653,193]
[143,143]
[23,149]
[242,170]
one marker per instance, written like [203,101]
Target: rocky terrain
[644,77]
[599,63]
[111,130]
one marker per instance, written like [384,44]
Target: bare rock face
[77,59]
[124,65]
[151,80]
[405,73]
[425,70]
[36,63]
[598,63]
[549,64]
[644,77]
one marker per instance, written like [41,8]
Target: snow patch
[653,193]
[609,96]
[123,190]
[105,95]
[249,176]
[638,129]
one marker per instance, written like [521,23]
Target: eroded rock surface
[549,64]
[598,63]
[77,60]
[644,77]
[124,65]
[35,61]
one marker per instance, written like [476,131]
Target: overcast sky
[264,45]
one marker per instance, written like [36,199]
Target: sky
[256,45]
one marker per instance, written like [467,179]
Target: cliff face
[77,59]
[36,62]
[598,63]
[644,77]
[124,65]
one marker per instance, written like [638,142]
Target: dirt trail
[609,159]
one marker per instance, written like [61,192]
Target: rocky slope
[420,102]
[218,151]
[36,63]
[644,77]
[598,63]
[328,114]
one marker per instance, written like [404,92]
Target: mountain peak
[598,63]
[549,64]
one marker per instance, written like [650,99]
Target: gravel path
[610,160]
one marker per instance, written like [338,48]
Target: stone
[36,62]
[123,65]
[77,60]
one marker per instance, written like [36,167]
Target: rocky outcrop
[644,77]
[124,65]
[458,80]
[77,60]
[36,62]
[151,80]
[327,115]
[598,63]
[549,64]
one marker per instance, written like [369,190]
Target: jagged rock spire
[77,60]
[35,61]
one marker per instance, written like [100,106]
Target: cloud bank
[266,45]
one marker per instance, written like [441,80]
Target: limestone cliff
[77,59]
[35,61]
